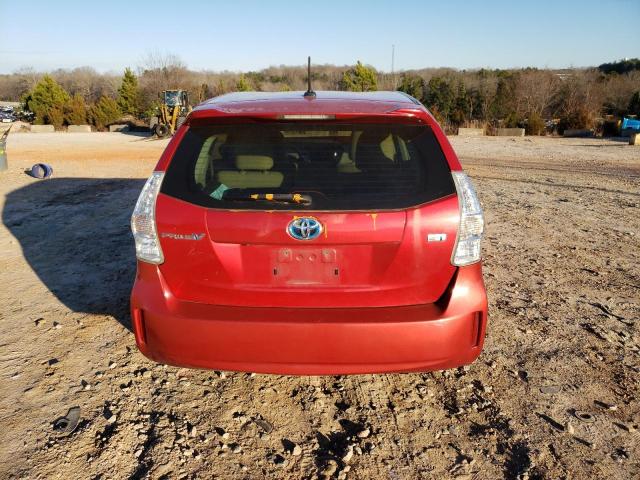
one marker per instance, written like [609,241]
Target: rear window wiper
[290,198]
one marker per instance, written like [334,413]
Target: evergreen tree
[502,106]
[360,79]
[243,85]
[75,111]
[46,101]
[460,104]
[413,85]
[440,97]
[129,94]
[104,112]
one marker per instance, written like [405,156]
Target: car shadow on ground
[74,233]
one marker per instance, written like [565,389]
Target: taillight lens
[471,226]
[143,221]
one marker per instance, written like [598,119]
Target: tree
[46,101]
[104,112]
[204,93]
[440,97]
[56,117]
[503,101]
[460,112]
[412,85]
[243,85]
[129,94]
[162,71]
[621,66]
[360,79]
[75,111]
[579,102]
[634,104]
[535,124]
[534,91]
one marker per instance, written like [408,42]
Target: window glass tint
[328,166]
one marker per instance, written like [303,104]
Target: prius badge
[182,236]
[304,228]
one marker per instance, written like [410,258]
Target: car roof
[324,102]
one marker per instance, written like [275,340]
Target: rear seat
[253,171]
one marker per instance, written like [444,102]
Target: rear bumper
[311,341]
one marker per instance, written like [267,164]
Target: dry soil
[553,395]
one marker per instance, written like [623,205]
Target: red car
[332,233]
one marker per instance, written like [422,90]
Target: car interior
[315,160]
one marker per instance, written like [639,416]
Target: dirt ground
[553,395]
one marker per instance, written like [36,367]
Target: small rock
[264,425]
[364,433]
[348,455]
[329,469]
[296,451]
[626,426]
[112,417]
[112,364]
[608,406]
[550,389]
[570,428]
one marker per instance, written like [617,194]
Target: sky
[250,35]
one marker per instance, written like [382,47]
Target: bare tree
[534,92]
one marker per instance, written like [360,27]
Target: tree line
[530,98]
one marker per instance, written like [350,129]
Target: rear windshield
[308,166]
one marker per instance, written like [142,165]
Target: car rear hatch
[308,214]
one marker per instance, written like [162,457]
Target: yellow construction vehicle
[173,110]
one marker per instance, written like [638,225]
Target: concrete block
[577,132]
[634,139]
[42,129]
[79,129]
[119,128]
[510,132]
[470,132]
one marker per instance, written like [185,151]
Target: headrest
[375,150]
[388,147]
[254,162]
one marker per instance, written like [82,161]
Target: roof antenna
[309,92]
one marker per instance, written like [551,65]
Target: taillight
[471,226]
[143,221]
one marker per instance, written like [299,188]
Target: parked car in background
[331,233]
[6,117]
